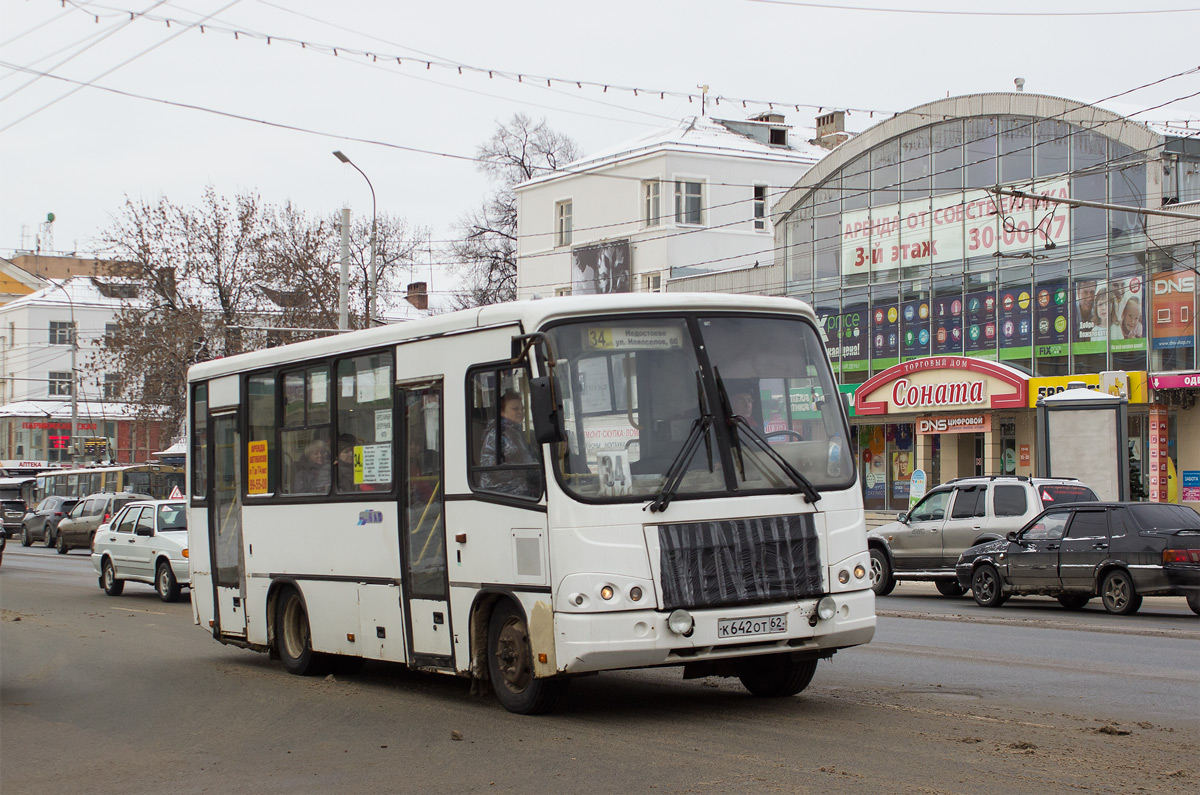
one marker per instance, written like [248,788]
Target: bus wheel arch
[510,664]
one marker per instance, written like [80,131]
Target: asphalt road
[102,694]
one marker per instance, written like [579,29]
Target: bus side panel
[381,623]
[198,566]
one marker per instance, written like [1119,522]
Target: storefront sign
[1157,470]
[1182,381]
[959,423]
[1133,384]
[942,382]
[17,463]
[56,426]
[1025,455]
[1174,320]
[1190,485]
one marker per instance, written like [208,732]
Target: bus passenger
[513,449]
[345,462]
[312,473]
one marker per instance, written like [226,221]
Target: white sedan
[145,542]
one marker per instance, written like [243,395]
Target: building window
[688,197]
[652,282]
[559,292]
[60,384]
[651,207]
[60,332]
[112,386]
[760,207]
[562,211]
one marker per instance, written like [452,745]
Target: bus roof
[19,481]
[529,314]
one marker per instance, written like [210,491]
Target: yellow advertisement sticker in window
[258,468]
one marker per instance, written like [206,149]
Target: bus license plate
[757,625]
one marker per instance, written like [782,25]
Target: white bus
[528,491]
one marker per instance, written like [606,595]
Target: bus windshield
[720,404]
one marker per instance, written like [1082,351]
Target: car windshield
[762,416]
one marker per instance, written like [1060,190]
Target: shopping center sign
[942,383]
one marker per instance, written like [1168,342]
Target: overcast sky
[80,156]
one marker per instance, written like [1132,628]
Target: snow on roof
[89,410]
[703,135]
[80,291]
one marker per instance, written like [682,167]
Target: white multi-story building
[680,201]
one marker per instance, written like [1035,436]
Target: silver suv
[924,544]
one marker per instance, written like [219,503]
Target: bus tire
[510,665]
[774,675]
[293,640]
[108,580]
[165,582]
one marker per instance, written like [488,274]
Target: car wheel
[987,587]
[47,536]
[293,640]
[510,665]
[112,586]
[882,581]
[165,582]
[1118,594]
[1193,601]
[26,539]
[61,546]
[950,588]
[774,675]
[1074,601]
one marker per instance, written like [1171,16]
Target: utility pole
[372,278]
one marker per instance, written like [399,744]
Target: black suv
[41,521]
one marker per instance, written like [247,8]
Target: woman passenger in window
[509,441]
[345,462]
[312,473]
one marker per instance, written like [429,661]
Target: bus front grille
[739,561]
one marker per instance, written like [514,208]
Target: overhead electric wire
[942,12]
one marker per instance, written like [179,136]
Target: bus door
[423,526]
[225,526]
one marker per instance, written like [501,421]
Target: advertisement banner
[885,335]
[1015,323]
[257,467]
[1090,324]
[855,337]
[947,334]
[973,223]
[602,268]
[914,329]
[1127,303]
[1173,322]
[979,333]
[1050,319]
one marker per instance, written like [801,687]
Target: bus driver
[513,449]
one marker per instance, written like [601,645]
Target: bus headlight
[681,622]
[635,594]
[843,576]
[606,593]
[859,572]
[826,608]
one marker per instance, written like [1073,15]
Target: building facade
[951,307]
[688,199]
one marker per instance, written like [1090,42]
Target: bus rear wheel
[293,640]
[774,675]
[510,665]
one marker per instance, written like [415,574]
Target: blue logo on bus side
[370,517]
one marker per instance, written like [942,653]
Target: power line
[939,12]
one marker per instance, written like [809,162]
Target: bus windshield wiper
[738,424]
[683,458]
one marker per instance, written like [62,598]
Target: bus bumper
[587,642]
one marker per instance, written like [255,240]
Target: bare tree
[486,251]
[226,277]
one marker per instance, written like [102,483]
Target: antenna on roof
[703,97]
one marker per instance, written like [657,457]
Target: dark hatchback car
[1119,551]
[41,521]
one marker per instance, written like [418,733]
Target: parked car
[924,543]
[76,529]
[41,521]
[12,512]
[1119,551]
[146,542]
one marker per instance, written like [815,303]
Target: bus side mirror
[547,412]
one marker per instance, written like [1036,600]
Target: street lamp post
[372,279]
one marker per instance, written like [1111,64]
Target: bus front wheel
[510,665]
[775,675]
[293,640]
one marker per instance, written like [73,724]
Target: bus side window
[363,443]
[305,444]
[199,460]
[504,458]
